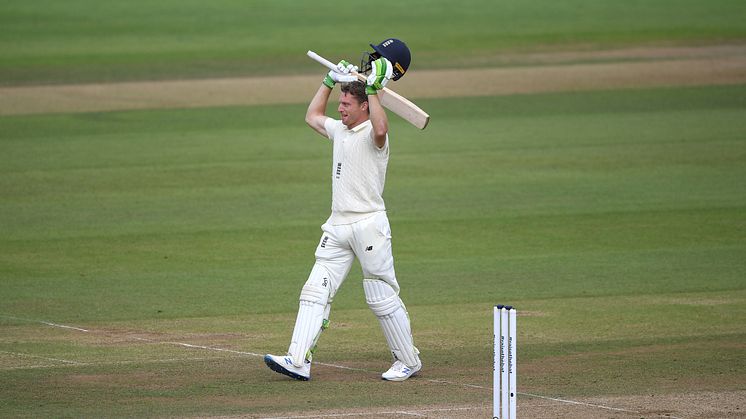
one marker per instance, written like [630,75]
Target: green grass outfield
[51,41]
[149,258]
[613,220]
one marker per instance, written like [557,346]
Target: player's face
[351,111]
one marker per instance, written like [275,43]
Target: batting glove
[381,71]
[340,74]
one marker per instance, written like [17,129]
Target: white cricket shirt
[358,172]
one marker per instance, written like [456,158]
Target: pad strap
[314,294]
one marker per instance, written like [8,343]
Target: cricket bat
[391,100]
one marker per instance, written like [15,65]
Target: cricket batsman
[358,226]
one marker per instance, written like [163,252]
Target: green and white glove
[381,71]
[343,74]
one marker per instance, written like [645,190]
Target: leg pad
[313,316]
[385,303]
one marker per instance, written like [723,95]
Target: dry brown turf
[692,405]
[522,74]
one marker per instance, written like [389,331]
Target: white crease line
[459,384]
[34,367]
[342,367]
[64,361]
[419,413]
[210,348]
[600,406]
[331,415]
[422,412]
[189,345]
[98,364]
[62,326]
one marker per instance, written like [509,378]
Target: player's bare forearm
[378,120]
[316,113]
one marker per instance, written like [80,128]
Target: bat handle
[321,60]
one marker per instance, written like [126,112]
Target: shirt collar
[360,126]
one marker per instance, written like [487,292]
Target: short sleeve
[332,126]
[383,151]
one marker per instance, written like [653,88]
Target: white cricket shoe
[400,372]
[284,365]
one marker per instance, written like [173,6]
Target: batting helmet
[393,50]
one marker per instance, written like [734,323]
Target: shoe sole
[274,366]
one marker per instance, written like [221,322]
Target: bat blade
[391,100]
[401,106]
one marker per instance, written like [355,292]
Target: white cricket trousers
[369,240]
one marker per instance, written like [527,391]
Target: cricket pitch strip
[522,74]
